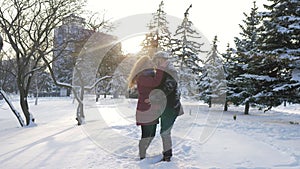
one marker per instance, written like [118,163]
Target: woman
[146,79]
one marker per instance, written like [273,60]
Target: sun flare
[132,44]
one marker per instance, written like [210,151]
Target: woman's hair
[140,65]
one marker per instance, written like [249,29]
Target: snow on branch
[259,77]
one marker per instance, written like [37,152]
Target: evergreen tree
[245,80]
[213,82]
[159,34]
[281,44]
[186,50]
[230,74]
[187,47]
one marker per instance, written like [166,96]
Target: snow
[296,75]
[259,77]
[109,138]
[285,86]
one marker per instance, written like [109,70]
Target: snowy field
[203,138]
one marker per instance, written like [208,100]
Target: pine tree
[159,34]
[230,74]
[245,79]
[185,50]
[213,82]
[187,47]
[281,44]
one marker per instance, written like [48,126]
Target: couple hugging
[158,100]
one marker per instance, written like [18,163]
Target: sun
[132,44]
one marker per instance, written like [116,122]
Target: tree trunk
[209,103]
[24,106]
[11,106]
[97,97]
[37,92]
[23,86]
[80,115]
[226,106]
[36,98]
[247,107]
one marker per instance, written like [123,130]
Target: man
[173,107]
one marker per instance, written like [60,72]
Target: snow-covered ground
[203,138]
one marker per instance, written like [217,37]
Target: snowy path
[110,137]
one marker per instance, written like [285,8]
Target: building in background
[69,39]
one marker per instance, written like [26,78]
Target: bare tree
[98,22]
[3,94]
[28,28]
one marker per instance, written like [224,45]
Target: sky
[210,17]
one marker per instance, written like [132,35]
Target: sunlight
[132,44]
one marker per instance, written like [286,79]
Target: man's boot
[167,147]
[167,155]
